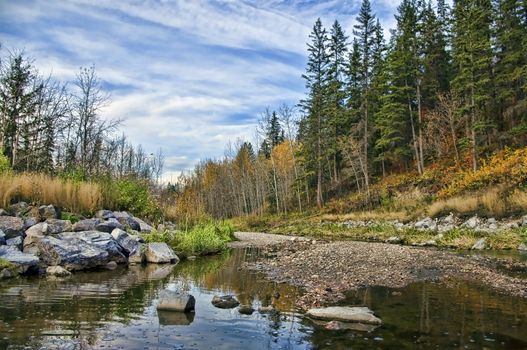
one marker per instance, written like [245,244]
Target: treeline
[449,86]
[48,126]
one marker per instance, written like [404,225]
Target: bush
[131,195]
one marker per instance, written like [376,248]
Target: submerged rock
[11,226]
[24,263]
[480,244]
[246,309]
[57,271]
[340,326]
[176,301]
[225,301]
[71,253]
[160,253]
[346,314]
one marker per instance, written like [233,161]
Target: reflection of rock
[154,272]
[176,301]
[246,309]
[345,313]
[338,326]
[168,318]
[225,301]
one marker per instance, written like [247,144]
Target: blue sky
[186,76]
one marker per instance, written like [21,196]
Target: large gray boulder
[127,243]
[56,226]
[11,226]
[86,225]
[25,263]
[144,227]
[176,301]
[101,240]
[71,253]
[346,314]
[160,253]
[48,212]
[30,221]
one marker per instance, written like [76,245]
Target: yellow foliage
[82,197]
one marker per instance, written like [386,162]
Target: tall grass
[79,197]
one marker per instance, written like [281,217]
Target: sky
[184,76]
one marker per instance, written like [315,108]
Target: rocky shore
[327,270]
[35,240]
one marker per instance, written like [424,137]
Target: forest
[438,104]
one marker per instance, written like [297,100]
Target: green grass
[200,240]
[4,264]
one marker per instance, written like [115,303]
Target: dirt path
[326,270]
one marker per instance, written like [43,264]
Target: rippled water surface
[117,310]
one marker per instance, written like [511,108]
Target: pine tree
[472,55]
[336,94]
[314,126]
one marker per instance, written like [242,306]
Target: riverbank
[327,270]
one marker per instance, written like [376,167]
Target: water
[116,310]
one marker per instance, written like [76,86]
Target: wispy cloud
[186,76]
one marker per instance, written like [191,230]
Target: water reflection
[117,310]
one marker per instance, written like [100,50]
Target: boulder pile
[36,240]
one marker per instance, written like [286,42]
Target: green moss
[4,264]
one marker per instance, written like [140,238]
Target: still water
[117,310]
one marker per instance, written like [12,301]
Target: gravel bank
[326,270]
[258,240]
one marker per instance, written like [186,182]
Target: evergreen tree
[472,54]
[314,125]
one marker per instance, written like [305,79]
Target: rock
[472,223]
[225,301]
[524,220]
[5,274]
[511,225]
[426,224]
[71,253]
[246,309]
[19,209]
[122,214]
[2,237]
[522,247]
[430,243]
[138,257]
[269,309]
[450,219]
[346,314]
[57,271]
[109,225]
[127,243]
[480,244]
[11,226]
[176,301]
[129,223]
[56,226]
[445,227]
[101,240]
[33,235]
[25,263]
[86,225]
[491,221]
[17,242]
[28,222]
[105,214]
[48,212]
[112,265]
[4,212]
[394,240]
[144,227]
[160,253]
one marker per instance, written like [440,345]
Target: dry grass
[79,197]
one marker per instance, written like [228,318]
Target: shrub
[132,195]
